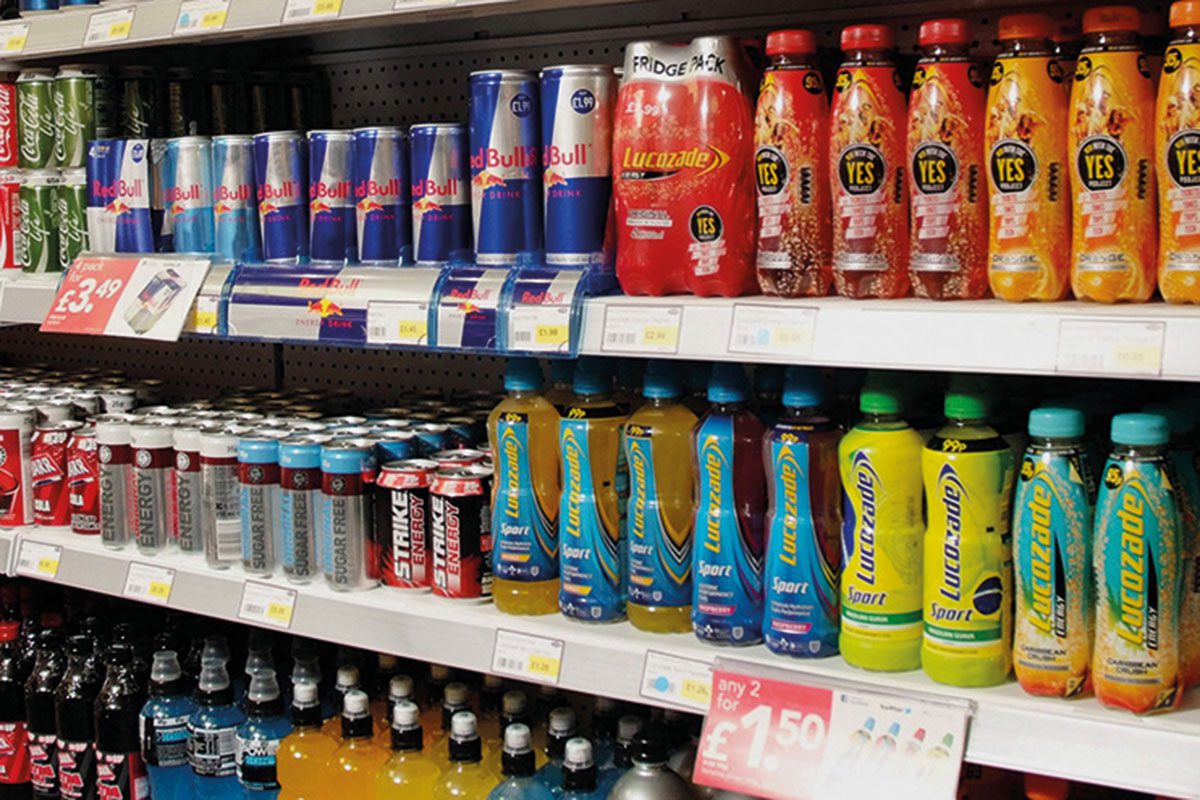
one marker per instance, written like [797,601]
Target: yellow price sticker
[1132,356]
[696,691]
[544,665]
[213,19]
[48,566]
[279,612]
[552,334]
[412,330]
[323,8]
[660,335]
[201,320]
[15,44]
[159,589]
[120,30]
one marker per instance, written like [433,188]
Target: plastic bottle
[605,715]
[409,772]
[1135,663]
[968,475]
[1026,144]
[658,441]
[592,509]
[259,737]
[791,129]
[39,714]
[120,770]
[559,728]
[399,688]
[1114,220]
[523,428]
[14,672]
[347,680]
[882,532]
[357,760]
[650,777]
[727,590]
[517,766]
[562,382]
[467,778]
[434,690]
[628,727]
[514,709]
[867,168]
[456,697]
[579,772]
[212,732]
[163,730]
[304,753]
[947,196]
[1176,145]
[1052,532]
[75,723]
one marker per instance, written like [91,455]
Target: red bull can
[331,210]
[188,193]
[280,178]
[441,197]
[17,423]
[235,212]
[506,191]
[118,180]
[381,196]
[349,551]
[577,118]
[83,490]
[402,522]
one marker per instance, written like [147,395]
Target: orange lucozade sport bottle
[1029,244]
[867,149]
[1177,153]
[947,188]
[1114,222]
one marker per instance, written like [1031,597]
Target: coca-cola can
[10,217]
[16,447]
[8,121]
[402,521]
[83,484]
[51,507]
[460,534]
[115,465]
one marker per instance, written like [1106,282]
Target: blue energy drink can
[280,177]
[299,497]
[382,208]
[235,212]
[441,195]
[188,193]
[331,219]
[349,551]
[258,479]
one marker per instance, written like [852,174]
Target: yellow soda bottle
[303,756]
[400,687]
[456,698]
[347,680]
[409,774]
[467,777]
[523,429]
[880,461]
[968,474]
[352,769]
[662,497]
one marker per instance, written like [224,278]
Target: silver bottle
[650,778]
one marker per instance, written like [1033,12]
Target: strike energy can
[441,194]
[115,470]
[235,212]
[331,209]
[83,490]
[381,196]
[280,184]
[153,452]
[51,507]
[258,477]
[506,191]
[188,193]
[299,497]
[349,553]
[188,490]
[402,522]
[460,535]
[16,446]
[222,497]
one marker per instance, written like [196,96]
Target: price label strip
[264,604]
[421,5]
[681,681]
[201,16]
[468,307]
[1110,347]
[641,329]
[105,27]
[539,317]
[308,10]
[149,583]
[13,38]
[397,322]
[772,330]
[531,658]
[38,559]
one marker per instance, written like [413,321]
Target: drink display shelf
[1008,728]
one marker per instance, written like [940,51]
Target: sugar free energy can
[460,534]
[281,182]
[441,194]
[16,445]
[83,490]
[35,119]
[187,490]
[299,497]
[222,497]
[153,460]
[115,469]
[381,196]
[188,193]
[51,506]
[331,208]
[402,522]
[349,552]
[235,211]
[258,477]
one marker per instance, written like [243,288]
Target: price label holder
[421,5]
[295,11]
[205,315]
[149,583]
[38,559]
[264,604]
[401,317]
[13,37]
[767,329]
[650,329]
[468,307]
[1111,347]
[531,658]
[139,297]
[201,16]
[541,311]
[768,735]
[679,681]
[105,27]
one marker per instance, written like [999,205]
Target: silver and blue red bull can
[381,196]
[331,223]
[235,212]
[577,120]
[160,220]
[118,179]
[441,197]
[506,190]
[188,193]
[281,183]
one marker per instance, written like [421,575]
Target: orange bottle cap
[1025,26]
[867,37]
[1111,19]
[944,31]
[1185,13]
[791,41]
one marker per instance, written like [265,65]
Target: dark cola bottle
[74,719]
[43,682]
[120,771]
[14,737]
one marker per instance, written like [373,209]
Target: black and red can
[51,505]
[83,481]
[460,534]
[402,521]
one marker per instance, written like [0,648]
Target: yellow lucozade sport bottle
[409,774]
[467,778]
[351,771]
[304,753]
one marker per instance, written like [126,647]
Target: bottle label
[727,586]
[1185,477]
[164,740]
[76,770]
[14,753]
[256,765]
[526,547]
[212,751]
[121,776]
[1178,144]
[591,561]
[43,764]
[660,559]
[1052,525]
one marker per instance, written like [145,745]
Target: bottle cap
[215,649]
[562,721]
[944,31]
[727,383]
[649,746]
[517,738]
[628,726]
[306,670]
[305,693]
[514,702]
[593,376]
[1111,19]
[405,714]
[919,736]
[347,677]
[1185,13]
[355,703]
[165,667]
[1180,421]
[967,398]
[578,753]
[522,375]
[661,380]
[385,662]
[1056,423]
[400,687]
[439,672]
[213,676]
[264,687]
[492,681]
[1025,26]
[259,660]
[462,725]
[456,694]
[803,387]
[791,41]
[1140,429]
[867,37]
[879,401]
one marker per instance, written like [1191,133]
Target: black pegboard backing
[386,375]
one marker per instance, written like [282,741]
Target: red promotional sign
[88,295]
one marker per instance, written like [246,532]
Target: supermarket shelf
[1009,729]
[26,298]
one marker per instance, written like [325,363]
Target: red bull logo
[119,188]
[118,207]
[372,188]
[429,188]
[487,180]
[320,207]
[329,190]
[368,205]
[426,204]
[182,194]
[551,178]
[325,308]
[521,158]
[574,156]
[288,191]
[221,208]
[240,193]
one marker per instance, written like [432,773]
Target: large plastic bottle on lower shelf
[212,731]
[409,772]
[467,777]
[357,760]
[518,767]
[304,753]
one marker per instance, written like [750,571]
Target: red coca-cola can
[460,534]
[16,448]
[83,481]
[8,121]
[10,216]
[51,506]
[402,521]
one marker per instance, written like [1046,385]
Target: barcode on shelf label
[109,26]
[305,10]
[772,330]
[264,604]
[542,329]
[641,329]
[532,658]
[201,16]
[149,583]
[1110,347]
[13,37]
[38,559]
[396,322]
[681,681]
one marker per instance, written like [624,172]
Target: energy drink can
[222,497]
[460,535]
[118,399]
[381,196]
[349,552]
[433,436]
[188,488]
[115,470]
[466,431]
[402,522]
[235,213]
[162,232]
[188,193]
[395,445]
[118,180]
[281,182]
[153,452]
[258,477]
[299,496]
[331,220]
[461,457]
[83,495]
[441,199]
[17,423]
[49,472]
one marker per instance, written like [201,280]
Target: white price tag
[1110,347]
[109,26]
[13,37]
[264,604]
[38,560]
[641,329]
[201,16]
[397,322]
[532,658]
[308,10]
[203,316]
[149,583]
[541,329]
[772,330]
[421,5]
[680,681]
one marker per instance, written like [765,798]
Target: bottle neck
[872,55]
[407,740]
[944,50]
[307,716]
[1185,35]
[580,780]
[1123,39]
[1124,451]
[175,688]
[517,765]
[796,60]
[215,697]
[660,402]
[265,708]
[357,727]
[466,751]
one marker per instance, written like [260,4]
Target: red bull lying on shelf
[331,223]
[280,186]
[188,193]
[118,180]
[381,196]
[441,200]
[235,211]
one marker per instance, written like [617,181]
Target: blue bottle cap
[1140,429]
[661,380]
[727,383]
[1056,423]
[1180,419]
[522,375]
[258,451]
[803,387]
[345,457]
[593,376]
